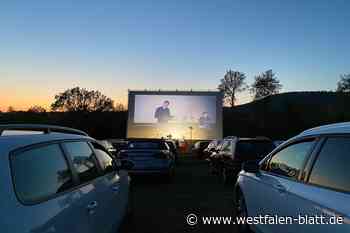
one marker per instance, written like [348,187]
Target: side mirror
[251,167]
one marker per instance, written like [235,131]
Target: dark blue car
[149,157]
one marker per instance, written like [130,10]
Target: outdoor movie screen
[181,115]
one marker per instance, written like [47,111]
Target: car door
[115,189]
[86,169]
[46,189]
[326,192]
[267,193]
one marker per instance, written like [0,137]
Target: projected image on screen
[179,115]
[154,109]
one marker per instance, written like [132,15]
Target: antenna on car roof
[44,128]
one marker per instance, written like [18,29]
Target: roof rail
[38,127]
[263,138]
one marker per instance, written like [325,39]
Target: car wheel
[241,212]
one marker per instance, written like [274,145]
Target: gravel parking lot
[161,207]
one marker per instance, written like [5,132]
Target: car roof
[255,139]
[9,143]
[338,128]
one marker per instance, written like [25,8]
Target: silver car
[56,179]
[304,182]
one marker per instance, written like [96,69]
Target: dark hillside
[284,115]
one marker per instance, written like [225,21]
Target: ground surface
[162,208]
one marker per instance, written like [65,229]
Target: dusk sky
[112,46]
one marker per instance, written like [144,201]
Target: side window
[83,160]
[104,159]
[290,160]
[40,173]
[331,168]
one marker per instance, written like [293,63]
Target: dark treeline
[279,116]
[100,125]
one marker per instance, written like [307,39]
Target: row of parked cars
[305,179]
[225,157]
[58,179]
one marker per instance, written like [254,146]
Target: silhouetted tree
[232,83]
[265,84]
[37,109]
[344,83]
[119,107]
[82,100]
[11,109]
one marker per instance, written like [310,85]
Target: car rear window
[196,145]
[253,149]
[204,144]
[147,145]
[213,144]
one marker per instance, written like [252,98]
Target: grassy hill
[279,117]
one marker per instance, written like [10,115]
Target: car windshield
[253,149]
[146,145]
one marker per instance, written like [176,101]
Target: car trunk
[146,158]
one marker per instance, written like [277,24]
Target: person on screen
[204,121]
[162,113]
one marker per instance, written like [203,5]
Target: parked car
[149,156]
[214,158]
[307,175]
[118,144]
[235,151]
[199,147]
[109,146]
[59,180]
[174,149]
[212,147]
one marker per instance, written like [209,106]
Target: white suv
[302,181]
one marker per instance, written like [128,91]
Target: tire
[241,211]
